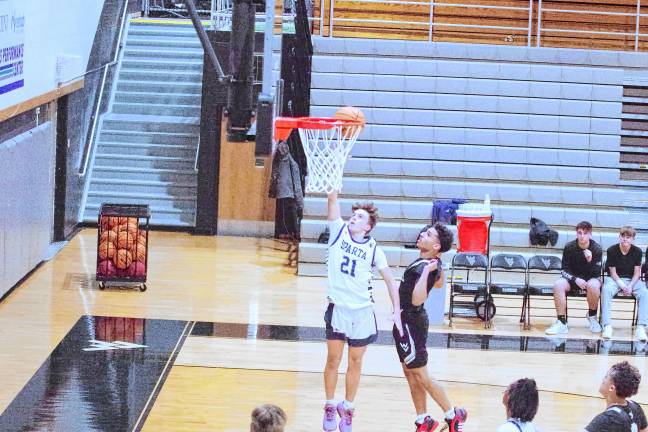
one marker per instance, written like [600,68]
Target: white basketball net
[327,151]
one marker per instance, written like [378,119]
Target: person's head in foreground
[268,418]
[521,400]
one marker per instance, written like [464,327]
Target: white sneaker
[607,332]
[640,333]
[557,328]
[595,327]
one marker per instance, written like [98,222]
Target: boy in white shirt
[352,255]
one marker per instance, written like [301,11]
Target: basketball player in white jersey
[350,318]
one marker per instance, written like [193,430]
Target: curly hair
[446,237]
[370,208]
[626,379]
[268,418]
[522,400]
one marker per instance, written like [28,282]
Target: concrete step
[187,152]
[112,185]
[149,64]
[156,109]
[146,137]
[421,212]
[170,77]
[162,42]
[401,233]
[107,159]
[151,86]
[185,202]
[145,174]
[312,257]
[163,53]
[502,192]
[147,123]
[153,31]
[160,216]
[157,98]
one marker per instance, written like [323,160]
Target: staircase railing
[90,142]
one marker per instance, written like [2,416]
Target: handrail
[204,41]
[89,144]
[536,26]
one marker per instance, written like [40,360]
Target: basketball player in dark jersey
[420,277]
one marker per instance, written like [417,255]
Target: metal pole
[530,33]
[637,25]
[430,35]
[322,12]
[268,35]
[539,23]
[331,12]
[204,40]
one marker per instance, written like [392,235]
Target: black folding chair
[509,264]
[461,285]
[539,265]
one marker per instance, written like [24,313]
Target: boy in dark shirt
[581,270]
[622,414]
[420,277]
[624,275]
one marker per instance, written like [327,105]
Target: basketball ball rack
[107,270]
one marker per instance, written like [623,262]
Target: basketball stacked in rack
[122,247]
[350,113]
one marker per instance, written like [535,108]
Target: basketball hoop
[327,143]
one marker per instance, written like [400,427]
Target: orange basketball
[106,250]
[123,258]
[125,239]
[139,251]
[142,237]
[109,235]
[127,224]
[350,113]
[108,222]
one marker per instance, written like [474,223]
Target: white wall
[51,28]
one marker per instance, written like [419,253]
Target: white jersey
[350,267]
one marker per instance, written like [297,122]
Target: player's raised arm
[333,212]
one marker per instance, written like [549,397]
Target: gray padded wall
[27,200]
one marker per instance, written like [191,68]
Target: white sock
[420,419]
[331,402]
[450,414]
[347,404]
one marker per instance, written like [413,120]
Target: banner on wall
[12,45]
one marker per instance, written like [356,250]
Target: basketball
[142,238]
[109,235]
[137,269]
[106,268]
[106,250]
[128,224]
[138,251]
[350,113]
[123,258]
[125,239]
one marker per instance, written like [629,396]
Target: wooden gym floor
[226,325]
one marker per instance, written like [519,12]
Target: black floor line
[435,340]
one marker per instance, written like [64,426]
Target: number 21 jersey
[350,267]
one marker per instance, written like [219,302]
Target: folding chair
[605,272]
[509,264]
[539,265]
[461,285]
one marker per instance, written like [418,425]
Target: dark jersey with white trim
[410,277]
